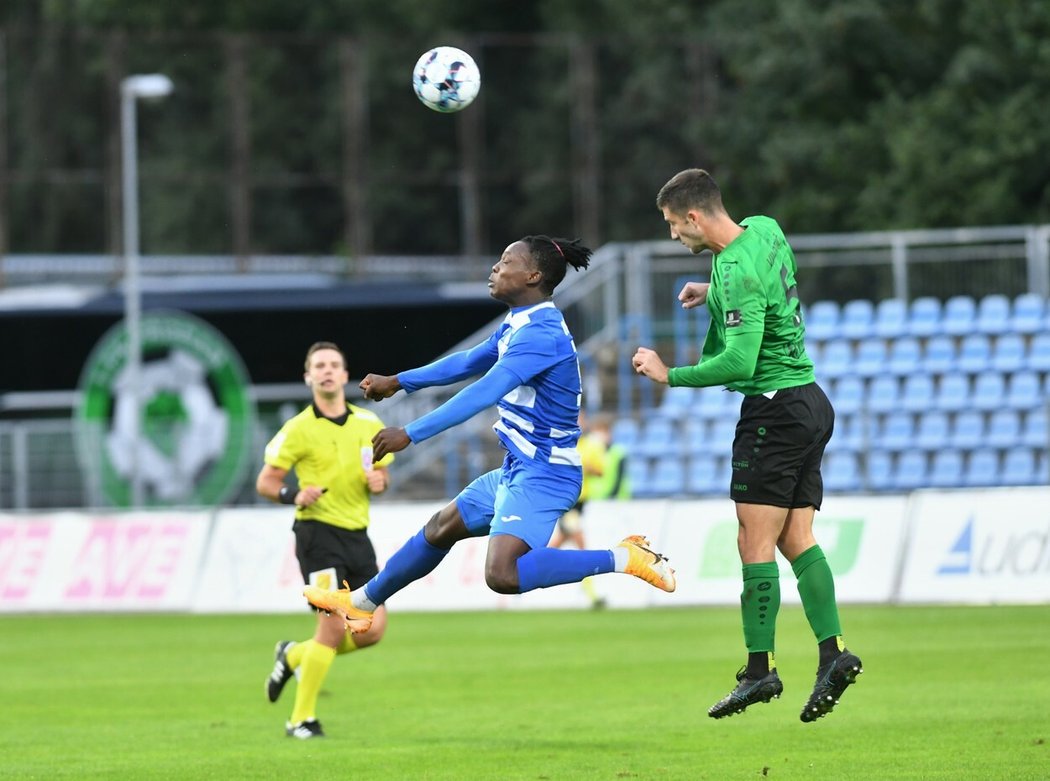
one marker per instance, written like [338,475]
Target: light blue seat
[934,430]
[891,318]
[1028,314]
[967,430]
[713,402]
[1024,391]
[1009,353]
[924,316]
[667,477]
[897,432]
[883,394]
[947,469]
[858,319]
[837,360]
[822,319]
[676,403]
[909,470]
[638,473]
[847,395]
[703,476]
[1035,433]
[693,436]
[953,392]
[878,470]
[850,432]
[989,392]
[975,354]
[723,431]
[1039,352]
[625,432]
[982,468]
[1020,467]
[871,358]
[1004,429]
[940,355]
[905,355]
[657,439]
[993,314]
[916,393]
[959,315]
[841,471]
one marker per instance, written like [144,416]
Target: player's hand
[693,294]
[647,362]
[376,479]
[389,440]
[377,387]
[308,494]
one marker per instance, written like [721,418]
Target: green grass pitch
[947,693]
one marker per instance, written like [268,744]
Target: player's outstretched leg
[748,691]
[282,671]
[340,603]
[650,566]
[832,680]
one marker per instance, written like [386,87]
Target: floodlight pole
[132,88]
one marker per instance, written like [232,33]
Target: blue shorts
[522,499]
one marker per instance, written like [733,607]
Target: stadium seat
[975,354]
[858,318]
[638,474]
[933,431]
[722,433]
[982,467]
[1019,467]
[878,470]
[989,392]
[847,395]
[924,317]
[1039,352]
[1004,429]
[667,477]
[676,403]
[1028,314]
[822,320]
[837,360]
[917,392]
[993,314]
[693,436]
[1009,353]
[953,392]
[947,469]
[1036,433]
[905,356]
[897,431]
[967,430]
[850,432]
[909,470]
[872,357]
[625,432]
[713,402]
[1023,391]
[891,318]
[657,439]
[1042,467]
[703,476]
[841,471]
[939,356]
[883,394]
[958,316]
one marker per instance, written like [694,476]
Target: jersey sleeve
[744,297]
[285,449]
[452,368]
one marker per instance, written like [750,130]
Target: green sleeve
[736,362]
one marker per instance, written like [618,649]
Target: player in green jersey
[755,345]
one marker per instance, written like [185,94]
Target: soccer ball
[446,79]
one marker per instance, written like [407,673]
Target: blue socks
[413,560]
[543,567]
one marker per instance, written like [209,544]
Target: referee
[755,345]
[330,446]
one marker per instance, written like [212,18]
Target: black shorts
[778,447]
[334,554]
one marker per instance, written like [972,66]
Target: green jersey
[753,298]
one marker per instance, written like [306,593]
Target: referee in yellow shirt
[330,446]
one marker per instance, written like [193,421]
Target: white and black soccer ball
[446,79]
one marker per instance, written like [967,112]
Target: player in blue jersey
[530,372]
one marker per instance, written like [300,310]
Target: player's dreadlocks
[554,256]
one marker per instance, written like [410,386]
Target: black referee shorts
[322,547]
[778,447]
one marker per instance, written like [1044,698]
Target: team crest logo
[197,417]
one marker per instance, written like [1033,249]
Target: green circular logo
[197,423]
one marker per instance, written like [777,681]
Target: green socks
[816,587]
[759,604]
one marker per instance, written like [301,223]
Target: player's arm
[444,371]
[737,362]
[270,485]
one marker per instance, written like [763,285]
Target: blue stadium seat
[975,354]
[878,470]
[917,392]
[897,431]
[858,319]
[934,430]
[704,476]
[638,474]
[721,436]
[1039,352]
[676,403]
[989,392]
[1020,467]
[625,432]
[837,360]
[953,392]
[967,430]
[847,395]
[693,435]
[883,394]
[959,315]
[982,467]
[657,439]
[1004,429]
[909,470]
[891,318]
[1036,433]
[849,433]
[1009,353]
[841,471]
[947,469]
[924,317]
[940,355]
[1024,391]
[822,320]
[1042,467]
[815,350]
[1029,312]
[872,357]
[713,402]
[905,355]
[993,314]
[667,477]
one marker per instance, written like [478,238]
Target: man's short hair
[693,188]
[322,346]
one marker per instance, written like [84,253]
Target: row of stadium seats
[926,316]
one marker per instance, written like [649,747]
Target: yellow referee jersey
[327,454]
